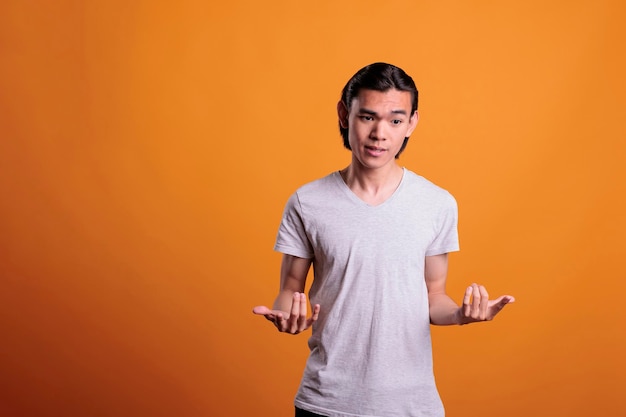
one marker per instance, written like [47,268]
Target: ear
[342,113]
[413,123]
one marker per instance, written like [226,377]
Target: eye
[366,118]
[396,121]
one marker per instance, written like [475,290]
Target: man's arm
[293,273]
[444,311]
[289,313]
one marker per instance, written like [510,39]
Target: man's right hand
[292,322]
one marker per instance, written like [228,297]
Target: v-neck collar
[352,195]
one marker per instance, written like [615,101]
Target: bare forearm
[443,310]
[284,300]
[293,273]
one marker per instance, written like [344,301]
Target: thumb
[261,310]
[502,301]
[507,299]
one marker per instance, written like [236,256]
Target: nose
[378,131]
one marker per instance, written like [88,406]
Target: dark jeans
[303,413]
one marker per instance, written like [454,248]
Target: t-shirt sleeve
[447,239]
[292,238]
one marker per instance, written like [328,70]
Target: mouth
[374,150]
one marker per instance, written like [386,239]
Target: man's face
[377,124]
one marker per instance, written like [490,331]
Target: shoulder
[320,183]
[315,192]
[319,187]
[427,189]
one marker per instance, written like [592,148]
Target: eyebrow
[373,113]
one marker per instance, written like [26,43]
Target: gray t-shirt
[370,348]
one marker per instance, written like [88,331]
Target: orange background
[147,150]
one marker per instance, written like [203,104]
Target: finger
[316,312]
[314,316]
[484,302]
[278,321]
[303,311]
[295,313]
[475,311]
[466,301]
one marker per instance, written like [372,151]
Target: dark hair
[379,77]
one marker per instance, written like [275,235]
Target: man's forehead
[400,98]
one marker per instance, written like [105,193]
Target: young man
[377,236]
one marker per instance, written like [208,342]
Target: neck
[373,186]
